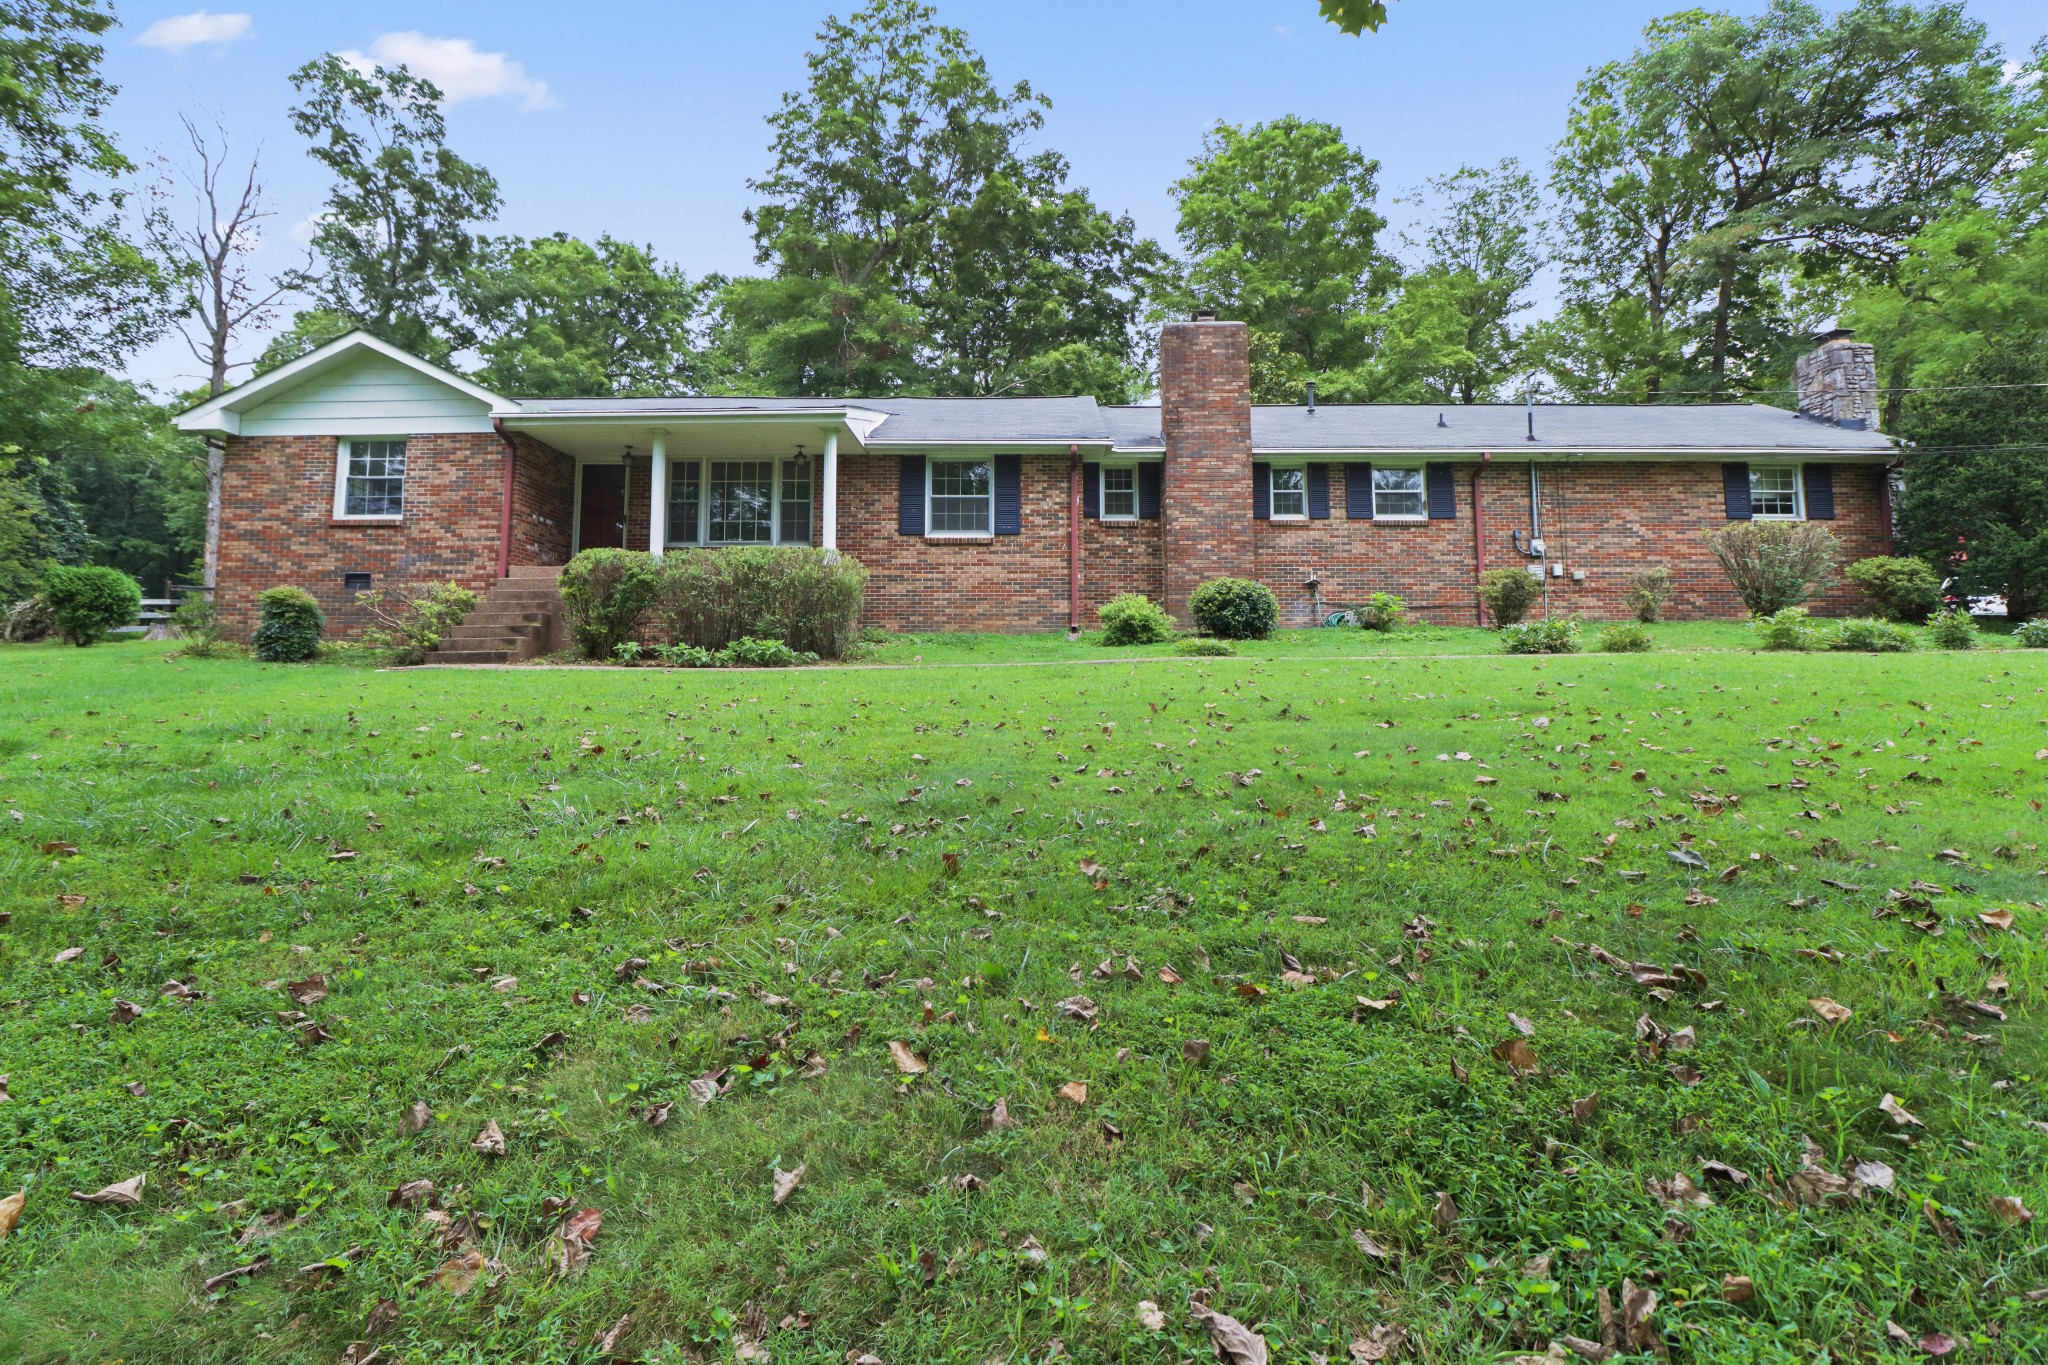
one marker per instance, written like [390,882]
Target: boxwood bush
[1508,594]
[1235,609]
[1647,593]
[1559,635]
[793,593]
[1132,618]
[604,594]
[1952,629]
[1626,637]
[1786,629]
[288,625]
[1905,589]
[88,600]
[1867,636]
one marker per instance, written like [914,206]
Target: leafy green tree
[1975,501]
[398,229]
[1730,160]
[563,317]
[74,289]
[912,245]
[1278,229]
[308,331]
[1479,256]
[1355,16]
[1978,274]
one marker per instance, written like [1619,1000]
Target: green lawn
[551,900]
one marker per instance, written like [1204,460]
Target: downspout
[1073,540]
[1479,535]
[505,498]
[1884,501]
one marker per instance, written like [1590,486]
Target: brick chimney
[1205,400]
[1838,380]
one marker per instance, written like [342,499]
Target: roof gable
[356,385]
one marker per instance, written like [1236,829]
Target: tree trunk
[1723,302]
[216,461]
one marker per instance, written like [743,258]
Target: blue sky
[644,118]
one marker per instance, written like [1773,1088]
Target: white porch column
[829,536]
[657,483]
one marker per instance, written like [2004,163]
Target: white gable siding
[369,396]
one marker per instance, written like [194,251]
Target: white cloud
[454,64]
[181,31]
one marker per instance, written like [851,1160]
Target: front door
[602,523]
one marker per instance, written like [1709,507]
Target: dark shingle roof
[1561,428]
[934,420]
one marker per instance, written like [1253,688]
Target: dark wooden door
[603,524]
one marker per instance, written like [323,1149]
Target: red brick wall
[1006,583]
[278,526]
[1205,413]
[543,503]
[1609,519]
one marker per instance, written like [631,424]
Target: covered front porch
[658,480]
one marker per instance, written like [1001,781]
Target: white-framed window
[1774,492]
[1119,492]
[1398,494]
[739,502]
[1289,488]
[960,497]
[369,481]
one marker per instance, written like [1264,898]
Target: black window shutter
[910,496]
[1009,495]
[1319,492]
[1443,492]
[1148,491]
[1358,492]
[1262,491]
[1820,492]
[1091,490]
[1735,489]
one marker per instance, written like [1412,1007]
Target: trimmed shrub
[2032,635]
[288,625]
[1381,611]
[791,593]
[1626,637]
[1787,629]
[88,600]
[410,620]
[1132,618]
[1235,609]
[605,592]
[750,652]
[1647,593]
[1559,635]
[1205,647]
[1508,594]
[1952,629]
[29,619]
[1776,564]
[1866,636]
[1905,589]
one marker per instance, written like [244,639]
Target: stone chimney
[1205,402]
[1838,381]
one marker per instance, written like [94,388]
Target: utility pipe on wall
[505,498]
[1479,535]
[1074,539]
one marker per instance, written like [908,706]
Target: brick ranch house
[360,465]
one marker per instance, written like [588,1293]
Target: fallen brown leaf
[786,1182]
[10,1211]
[311,991]
[907,1061]
[1897,1112]
[1829,1010]
[1235,1343]
[229,1276]
[125,1195]
[1074,1092]
[489,1141]
[458,1275]
[1737,1289]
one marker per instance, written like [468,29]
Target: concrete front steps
[520,617]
